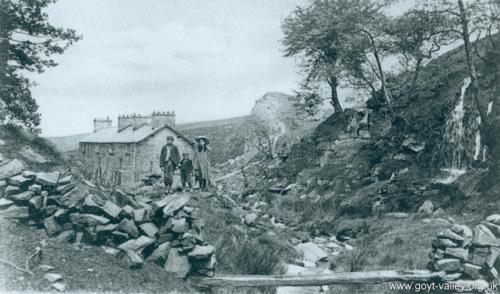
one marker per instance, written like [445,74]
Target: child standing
[186,166]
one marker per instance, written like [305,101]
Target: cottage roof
[128,134]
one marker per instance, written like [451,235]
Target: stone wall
[466,254]
[110,163]
[130,225]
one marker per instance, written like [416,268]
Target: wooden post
[374,277]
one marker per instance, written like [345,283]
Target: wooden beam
[374,277]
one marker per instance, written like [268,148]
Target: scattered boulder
[11,168]
[179,225]
[112,210]
[201,252]
[160,254]
[88,219]
[136,244]
[61,287]
[132,260]
[5,203]
[427,207]
[149,229]
[311,252]
[448,265]
[21,197]
[12,190]
[20,181]
[14,211]
[52,227]
[484,237]
[175,204]
[47,179]
[52,277]
[177,263]
[129,227]
[139,215]
[494,219]
[250,218]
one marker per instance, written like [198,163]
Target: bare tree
[259,135]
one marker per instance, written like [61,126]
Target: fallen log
[374,277]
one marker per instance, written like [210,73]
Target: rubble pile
[468,254]
[136,229]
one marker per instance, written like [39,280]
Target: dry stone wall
[136,228]
[469,254]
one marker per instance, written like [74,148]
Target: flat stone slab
[311,252]
[5,203]
[21,197]
[110,209]
[484,237]
[149,229]
[177,263]
[136,244]
[177,203]
[15,211]
[201,252]
[47,179]
[89,219]
[19,181]
[52,277]
[160,254]
[11,168]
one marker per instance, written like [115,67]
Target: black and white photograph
[250,146]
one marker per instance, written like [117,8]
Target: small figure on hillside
[353,127]
[201,162]
[186,167]
[378,207]
[169,160]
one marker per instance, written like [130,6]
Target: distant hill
[67,143]
[224,134]
[221,132]
[211,123]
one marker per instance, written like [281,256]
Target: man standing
[169,160]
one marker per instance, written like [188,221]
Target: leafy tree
[307,102]
[320,35]
[419,34]
[27,42]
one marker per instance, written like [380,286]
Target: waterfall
[454,140]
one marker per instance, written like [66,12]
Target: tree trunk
[334,83]
[490,132]
[470,64]
[382,80]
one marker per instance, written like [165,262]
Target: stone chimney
[100,123]
[135,120]
[159,119]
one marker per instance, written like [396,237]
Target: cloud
[204,64]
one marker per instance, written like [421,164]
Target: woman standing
[201,162]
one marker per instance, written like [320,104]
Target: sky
[202,59]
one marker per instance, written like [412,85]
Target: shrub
[260,256]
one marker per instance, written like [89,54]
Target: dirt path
[84,268]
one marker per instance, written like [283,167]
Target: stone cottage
[125,153]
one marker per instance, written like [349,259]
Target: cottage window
[111,149]
[96,148]
[128,149]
